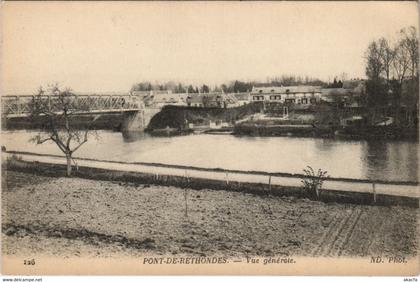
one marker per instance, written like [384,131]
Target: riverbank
[74,217]
[297,130]
[307,130]
[340,190]
[175,120]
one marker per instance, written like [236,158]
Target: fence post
[227,178]
[269,184]
[374,192]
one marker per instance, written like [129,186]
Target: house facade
[287,94]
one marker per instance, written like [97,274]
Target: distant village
[349,95]
[291,104]
[303,109]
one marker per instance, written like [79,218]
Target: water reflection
[325,145]
[379,159]
[133,136]
[382,159]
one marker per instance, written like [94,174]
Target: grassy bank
[200,183]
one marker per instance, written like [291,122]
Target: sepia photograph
[210,138]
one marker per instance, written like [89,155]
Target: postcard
[210,138]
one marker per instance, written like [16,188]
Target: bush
[312,182]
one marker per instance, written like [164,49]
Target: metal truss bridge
[20,106]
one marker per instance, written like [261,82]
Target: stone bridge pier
[137,120]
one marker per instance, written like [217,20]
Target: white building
[287,94]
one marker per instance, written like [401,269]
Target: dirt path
[79,217]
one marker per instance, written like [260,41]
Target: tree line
[393,75]
[236,85]
[178,87]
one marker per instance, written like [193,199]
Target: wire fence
[403,189]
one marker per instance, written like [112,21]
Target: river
[378,159]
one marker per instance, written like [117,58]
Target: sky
[109,46]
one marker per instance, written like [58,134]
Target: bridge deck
[20,106]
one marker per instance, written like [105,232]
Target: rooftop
[286,89]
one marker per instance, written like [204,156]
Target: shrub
[312,182]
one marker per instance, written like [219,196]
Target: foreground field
[79,217]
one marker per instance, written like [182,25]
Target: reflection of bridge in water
[136,116]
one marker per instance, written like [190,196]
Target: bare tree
[408,72]
[410,43]
[401,63]
[386,54]
[392,63]
[59,108]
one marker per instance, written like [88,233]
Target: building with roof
[212,100]
[287,94]
[349,96]
[242,98]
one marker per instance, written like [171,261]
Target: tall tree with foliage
[375,84]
